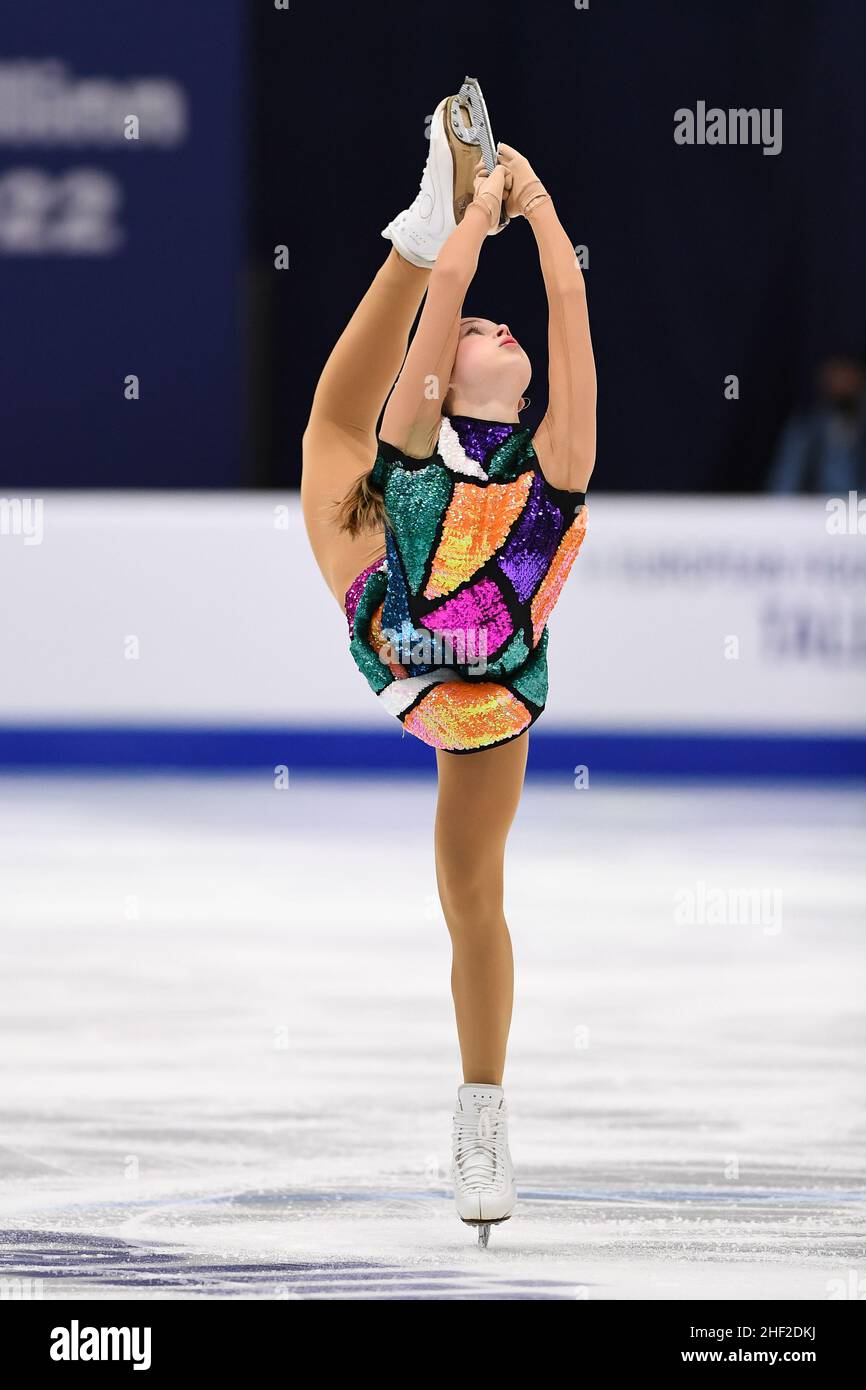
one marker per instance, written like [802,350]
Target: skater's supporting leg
[340,438]
[478,798]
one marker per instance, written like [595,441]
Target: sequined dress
[450,628]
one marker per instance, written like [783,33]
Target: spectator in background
[824,448]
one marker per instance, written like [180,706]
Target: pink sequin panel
[354,592]
[480,608]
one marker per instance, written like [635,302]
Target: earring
[524,402]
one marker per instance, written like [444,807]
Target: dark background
[703,261]
[308,129]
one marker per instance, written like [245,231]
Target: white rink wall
[681,614]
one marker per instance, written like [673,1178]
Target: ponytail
[363,507]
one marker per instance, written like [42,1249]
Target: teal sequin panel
[379,473]
[511,459]
[514,655]
[396,617]
[532,682]
[367,660]
[396,611]
[415,502]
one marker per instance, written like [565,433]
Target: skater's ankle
[400,266]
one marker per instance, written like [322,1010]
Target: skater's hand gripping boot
[526,190]
[489,193]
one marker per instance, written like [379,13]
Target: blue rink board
[662,754]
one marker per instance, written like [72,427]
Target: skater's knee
[471,896]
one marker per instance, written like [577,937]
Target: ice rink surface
[229,1058]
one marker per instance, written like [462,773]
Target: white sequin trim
[453,453]
[400,694]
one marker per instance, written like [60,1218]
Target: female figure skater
[446,539]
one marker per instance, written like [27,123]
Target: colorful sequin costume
[450,628]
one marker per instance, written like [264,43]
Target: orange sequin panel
[556,576]
[458,714]
[476,523]
[378,640]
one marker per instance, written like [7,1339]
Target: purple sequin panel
[480,438]
[532,545]
[354,592]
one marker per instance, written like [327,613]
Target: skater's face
[489,364]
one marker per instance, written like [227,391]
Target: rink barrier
[371,752]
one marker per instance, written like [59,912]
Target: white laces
[477,1154]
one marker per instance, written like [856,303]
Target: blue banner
[121,242]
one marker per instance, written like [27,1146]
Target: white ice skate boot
[459,135]
[481,1162]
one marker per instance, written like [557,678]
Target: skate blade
[483,1227]
[470,95]
[464,152]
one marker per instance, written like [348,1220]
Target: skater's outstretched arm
[565,439]
[414,410]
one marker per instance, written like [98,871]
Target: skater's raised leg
[340,439]
[339,443]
